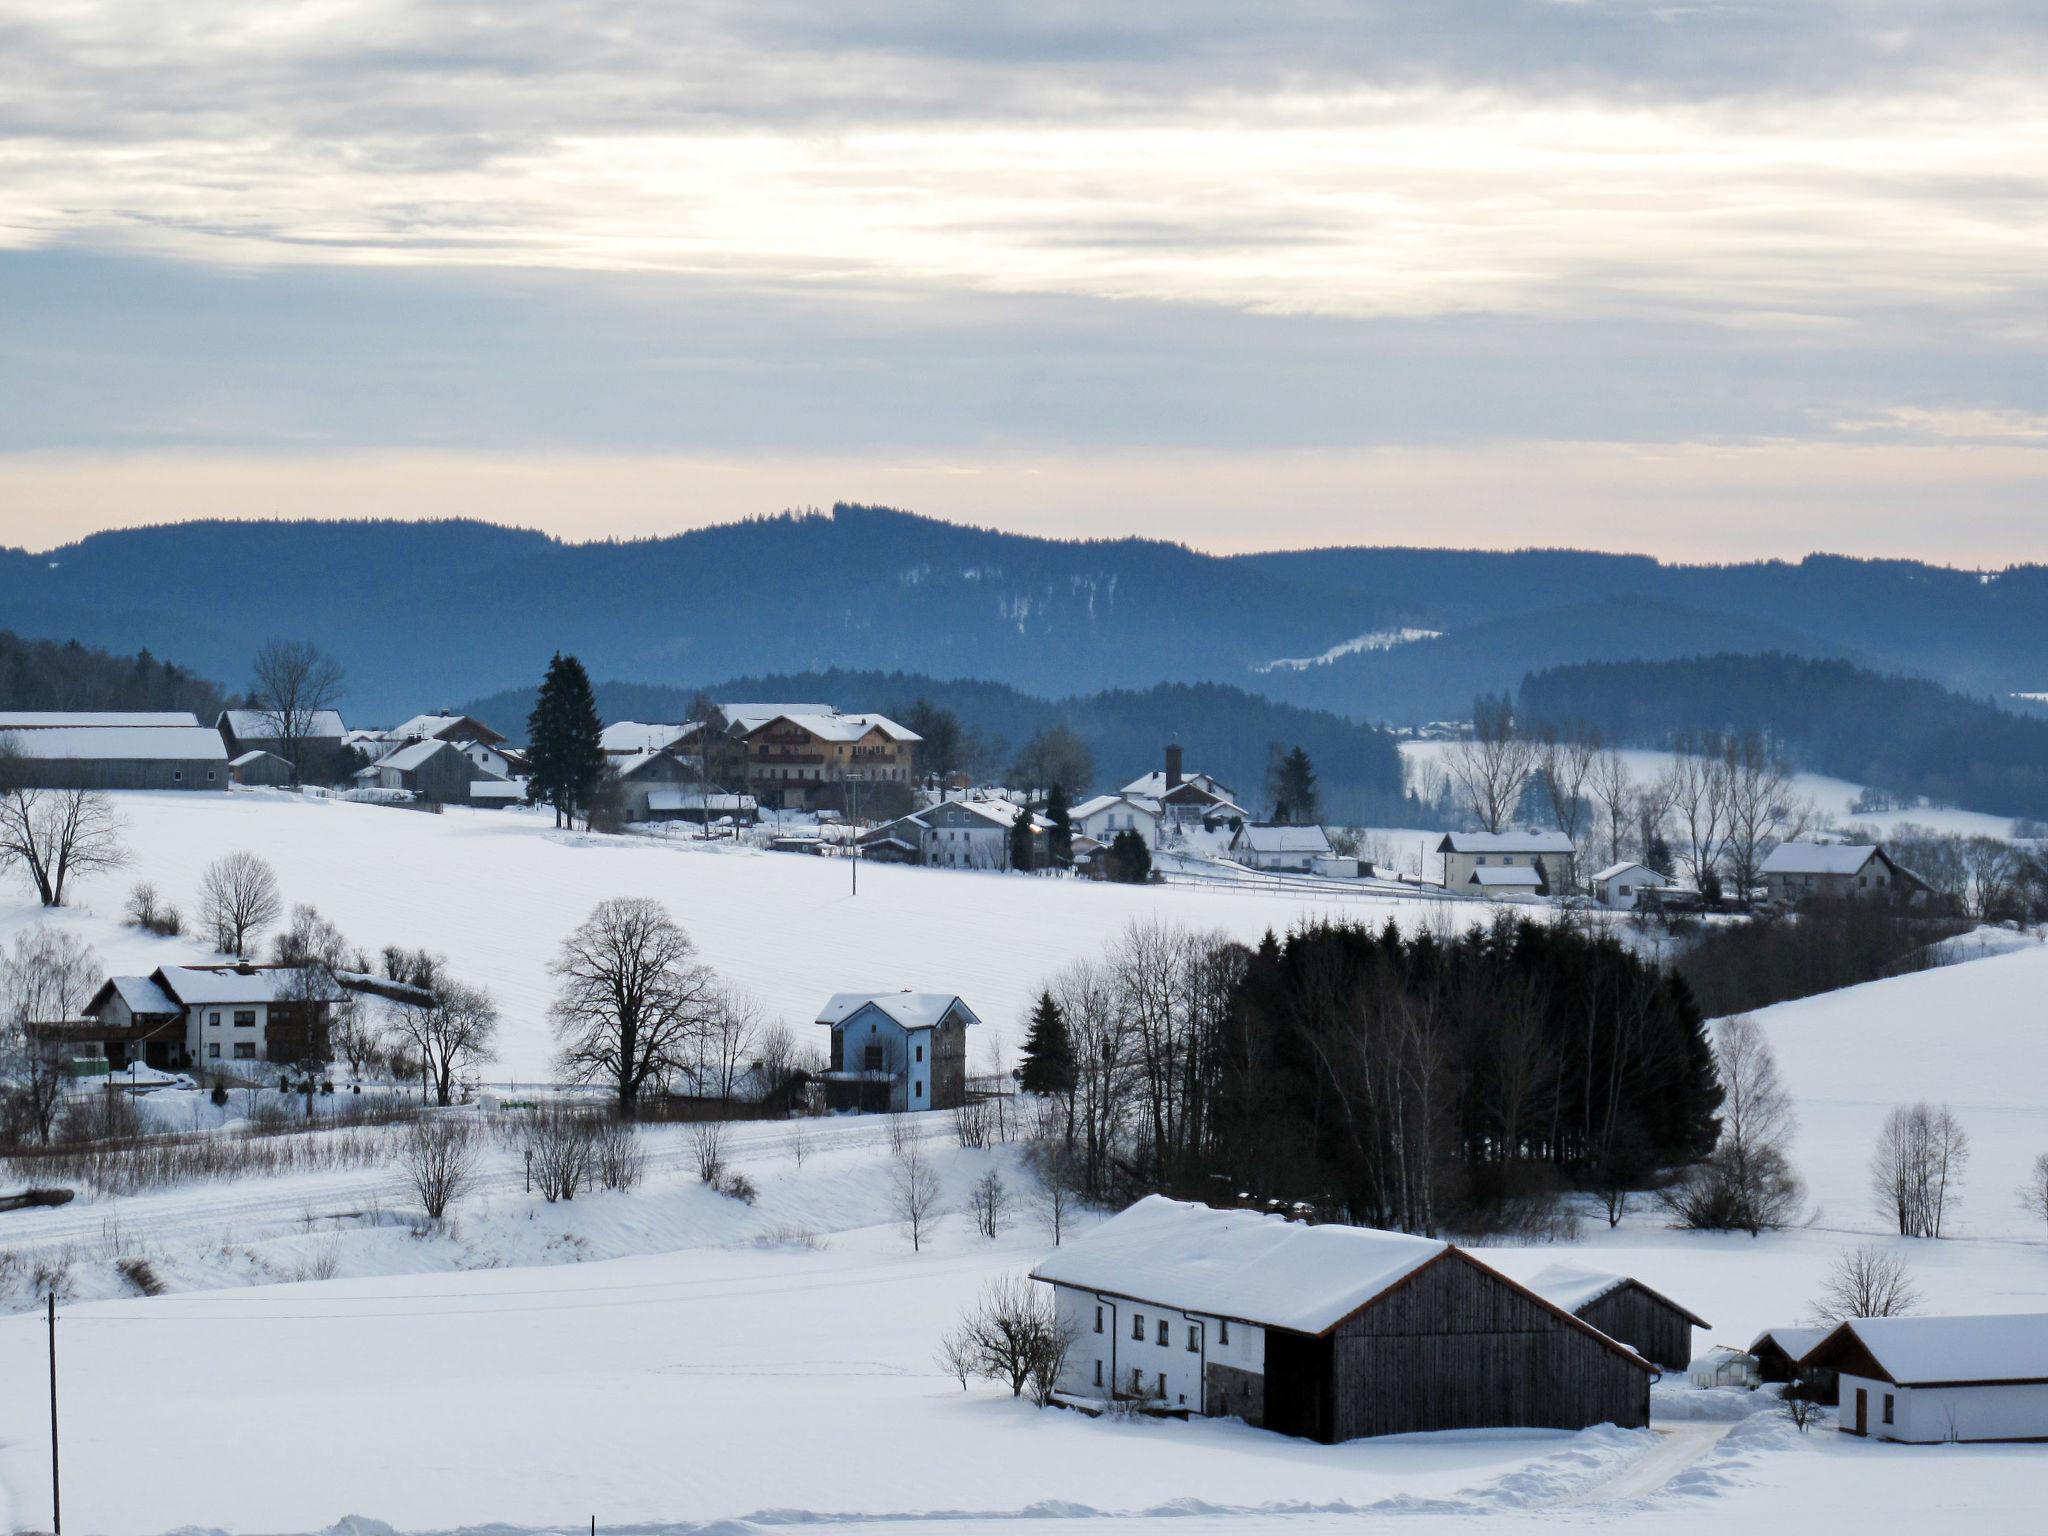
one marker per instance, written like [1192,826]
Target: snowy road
[1678,1447]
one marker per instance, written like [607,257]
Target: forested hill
[1901,733]
[1226,731]
[422,614]
[46,675]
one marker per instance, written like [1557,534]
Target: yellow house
[794,754]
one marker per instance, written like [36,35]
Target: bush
[737,1186]
[438,1155]
[621,1159]
[558,1146]
[706,1139]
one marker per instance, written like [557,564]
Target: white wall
[1119,1354]
[1932,1415]
[201,1028]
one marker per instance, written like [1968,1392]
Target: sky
[1708,280]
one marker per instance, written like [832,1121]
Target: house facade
[1930,1380]
[320,742]
[1543,858]
[1328,1332]
[1189,799]
[896,1052]
[1623,1308]
[1625,886]
[112,750]
[1101,818]
[957,834]
[1258,845]
[193,1017]
[1795,872]
[792,757]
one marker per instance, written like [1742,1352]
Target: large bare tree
[238,898]
[633,1001]
[54,835]
[1761,809]
[1493,765]
[46,976]
[1695,787]
[449,1036]
[1613,788]
[293,681]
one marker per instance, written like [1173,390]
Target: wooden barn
[1327,1332]
[1651,1324]
[1778,1351]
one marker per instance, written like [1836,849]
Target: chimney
[1173,765]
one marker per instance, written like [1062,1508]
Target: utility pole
[56,1482]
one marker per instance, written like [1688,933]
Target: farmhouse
[1625,886]
[794,755]
[1796,872]
[1189,799]
[1260,846]
[1623,1308]
[1933,1379]
[182,1016]
[1329,1332]
[1541,858]
[111,750]
[956,834]
[1106,815]
[897,1051]
[433,769]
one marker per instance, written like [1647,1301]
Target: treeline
[1906,735]
[1738,967]
[54,675]
[1226,731]
[1421,1082]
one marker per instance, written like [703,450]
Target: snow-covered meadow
[672,1358]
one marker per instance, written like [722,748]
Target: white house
[1799,871]
[1933,1379]
[1548,852]
[897,1051]
[1188,799]
[206,1015]
[1106,815]
[1279,847]
[1621,886]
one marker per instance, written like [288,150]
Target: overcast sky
[1712,280]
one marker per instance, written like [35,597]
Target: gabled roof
[1153,785]
[405,759]
[913,1010]
[200,984]
[1943,1351]
[1520,877]
[119,743]
[452,727]
[1820,858]
[1099,803]
[140,993]
[1523,840]
[747,716]
[830,726]
[57,719]
[1612,870]
[1795,1342]
[1276,839]
[632,736]
[255,755]
[1576,1289]
[262,724]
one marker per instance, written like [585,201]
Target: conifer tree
[1020,840]
[1048,1064]
[1059,841]
[566,739]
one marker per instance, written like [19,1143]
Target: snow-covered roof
[1818,858]
[143,995]
[1574,1289]
[913,1010]
[254,755]
[1796,1342]
[1100,803]
[496,789]
[438,725]
[230,984]
[1153,784]
[1521,840]
[690,800]
[1270,839]
[1927,1351]
[57,719]
[831,726]
[1614,870]
[1238,1264]
[120,743]
[633,736]
[262,724]
[405,759]
[748,716]
[1512,876]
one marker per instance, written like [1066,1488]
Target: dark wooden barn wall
[1648,1326]
[1457,1348]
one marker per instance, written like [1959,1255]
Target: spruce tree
[566,739]
[1048,1064]
[1060,840]
[1020,840]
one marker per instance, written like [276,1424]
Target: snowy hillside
[497,890]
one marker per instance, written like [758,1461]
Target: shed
[1723,1366]
[1328,1332]
[1932,1379]
[1625,886]
[1778,1351]
[260,768]
[1622,1307]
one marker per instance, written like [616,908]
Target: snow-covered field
[672,1358]
[1830,795]
[496,891]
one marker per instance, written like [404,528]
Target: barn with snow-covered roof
[896,1052]
[1622,1307]
[1935,1379]
[1328,1332]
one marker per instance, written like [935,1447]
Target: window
[1194,1339]
[920,1053]
[245,1018]
[1098,1319]
[209,775]
[1480,860]
[213,1049]
[214,1018]
[1507,858]
[177,775]
[1887,1407]
[1162,1386]
[245,1050]
[1165,1335]
[1137,1382]
[917,1088]
[1138,1326]
[871,1058]
[1098,1373]
[1223,1331]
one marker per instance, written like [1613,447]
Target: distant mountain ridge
[425,614]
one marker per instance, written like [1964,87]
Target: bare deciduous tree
[733,1025]
[1918,1163]
[1493,765]
[46,976]
[1057,1195]
[1761,809]
[449,1037]
[620,1158]
[238,898]
[1564,767]
[707,1144]
[437,1155]
[558,1149]
[914,1192]
[1747,1183]
[1013,1335]
[2034,1193]
[1866,1282]
[56,835]
[1613,788]
[293,682]
[1695,787]
[634,1001]
[989,1203]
